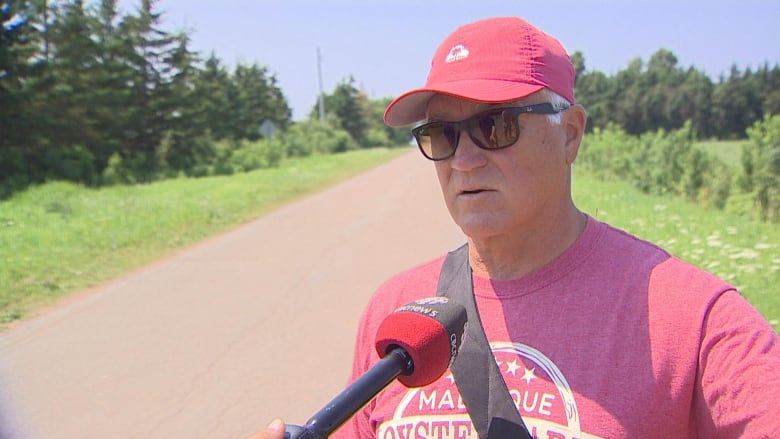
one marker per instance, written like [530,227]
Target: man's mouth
[472,191]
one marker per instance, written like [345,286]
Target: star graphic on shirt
[528,376]
[512,366]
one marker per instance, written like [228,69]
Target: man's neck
[515,255]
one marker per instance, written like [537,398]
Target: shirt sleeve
[739,369]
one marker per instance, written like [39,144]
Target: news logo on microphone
[430,330]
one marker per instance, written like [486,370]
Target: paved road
[216,340]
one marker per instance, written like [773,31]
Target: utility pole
[320,95]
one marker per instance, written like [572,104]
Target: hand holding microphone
[416,344]
[274,430]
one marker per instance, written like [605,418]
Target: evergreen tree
[255,98]
[150,101]
[186,145]
[594,90]
[346,109]
[735,104]
[20,66]
[211,90]
[111,96]
[629,90]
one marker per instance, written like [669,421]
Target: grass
[59,237]
[728,151]
[744,253]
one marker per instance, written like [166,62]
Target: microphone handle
[354,397]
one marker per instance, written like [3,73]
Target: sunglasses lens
[497,129]
[494,129]
[437,140]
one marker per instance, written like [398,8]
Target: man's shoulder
[624,241]
[409,285]
[415,283]
[663,265]
[402,288]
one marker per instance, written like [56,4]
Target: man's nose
[467,154]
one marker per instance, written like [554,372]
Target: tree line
[96,96]
[661,94]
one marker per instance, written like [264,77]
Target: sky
[386,45]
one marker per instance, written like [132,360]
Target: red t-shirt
[615,338]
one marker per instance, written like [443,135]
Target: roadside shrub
[275,152]
[223,150]
[13,171]
[376,137]
[248,156]
[312,137]
[663,159]
[760,172]
[138,167]
[607,153]
[296,142]
[20,167]
[76,164]
[119,171]
[716,190]
[263,153]
[660,163]
[191,155]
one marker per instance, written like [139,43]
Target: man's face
[495,193]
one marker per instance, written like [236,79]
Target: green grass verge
[728,151]
[745,253]
[59,237]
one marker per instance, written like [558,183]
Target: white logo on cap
[457,53]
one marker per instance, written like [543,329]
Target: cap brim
[410,107]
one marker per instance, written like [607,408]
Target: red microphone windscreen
[430,331]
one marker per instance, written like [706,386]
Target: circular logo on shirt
[537,387]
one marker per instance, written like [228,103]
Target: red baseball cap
[498,59]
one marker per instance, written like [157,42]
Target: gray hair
[557,101]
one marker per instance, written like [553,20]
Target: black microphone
[416,343]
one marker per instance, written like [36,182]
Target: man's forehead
[440,106]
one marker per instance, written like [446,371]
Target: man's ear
[574,122]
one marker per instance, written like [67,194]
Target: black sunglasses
[495,128]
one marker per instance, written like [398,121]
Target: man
[596,333]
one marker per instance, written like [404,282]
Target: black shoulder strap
[476,373]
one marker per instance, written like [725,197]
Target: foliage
[346,109]
[128,97]
[608,153]
[259,154]
[727,151]
[13,166]
[314,137]
[349,109]
[760,172]
[661,163]
[661,94]
[97,97]
[669,163]
[394,136]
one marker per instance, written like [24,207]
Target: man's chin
[480,226]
